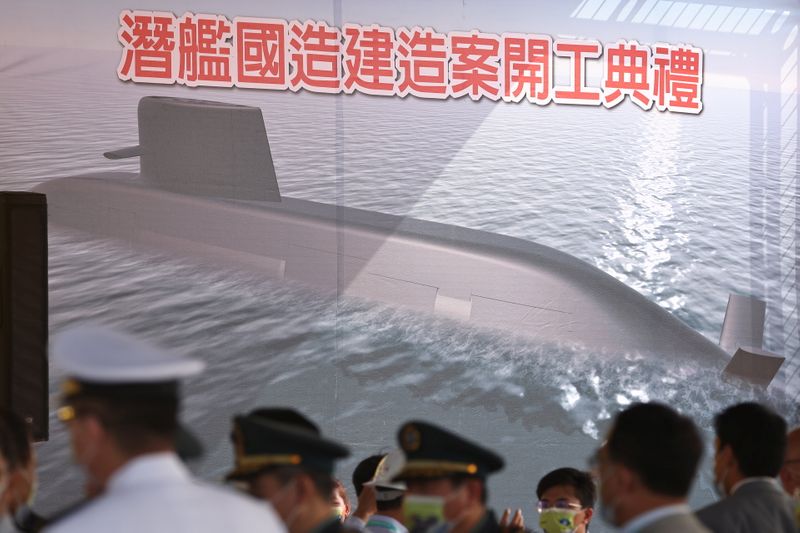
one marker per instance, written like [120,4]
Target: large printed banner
[328,204]
[259,53]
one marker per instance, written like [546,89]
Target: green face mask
[423,513]
[557,520]
[338,512]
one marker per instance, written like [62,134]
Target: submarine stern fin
[742,336]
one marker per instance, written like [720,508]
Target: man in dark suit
[646,468]
[750,447]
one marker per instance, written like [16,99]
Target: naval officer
[290,466]
[120,406]
[445,476]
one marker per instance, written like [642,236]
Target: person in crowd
[645,470]
[445,476]
[749,448]
[380,500]
[366,506]
[340,502]
[790,470]
[290,467]
[566,501]
[17,469]
[120,405]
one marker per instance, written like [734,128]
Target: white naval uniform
[156,493]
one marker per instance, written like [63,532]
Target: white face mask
[608,511]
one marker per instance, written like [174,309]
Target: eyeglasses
[558,504]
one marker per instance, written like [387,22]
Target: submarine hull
[485,279]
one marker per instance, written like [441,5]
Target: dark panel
[23,309]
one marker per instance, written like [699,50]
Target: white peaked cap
[389,467]
[101,354]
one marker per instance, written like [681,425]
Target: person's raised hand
[366,503]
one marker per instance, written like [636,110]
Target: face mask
[558,520]
[608,514]
[607,510]
[426,513]
[423,513]
[339,513]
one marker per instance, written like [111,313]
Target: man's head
[134,422]
[649,459]
[386,498]
[120,399]
[570,491]
[288,464]
[365,471]
[790,471]
[17,462]
[448,467]
[750,442]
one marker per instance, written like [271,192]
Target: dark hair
[388,505]
[134,424]
[365,471]
[757,436]
[15,440]
[660,445]
[582,482]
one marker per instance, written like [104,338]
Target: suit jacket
[676,523]
[758,505]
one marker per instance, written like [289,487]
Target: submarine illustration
[207,188]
